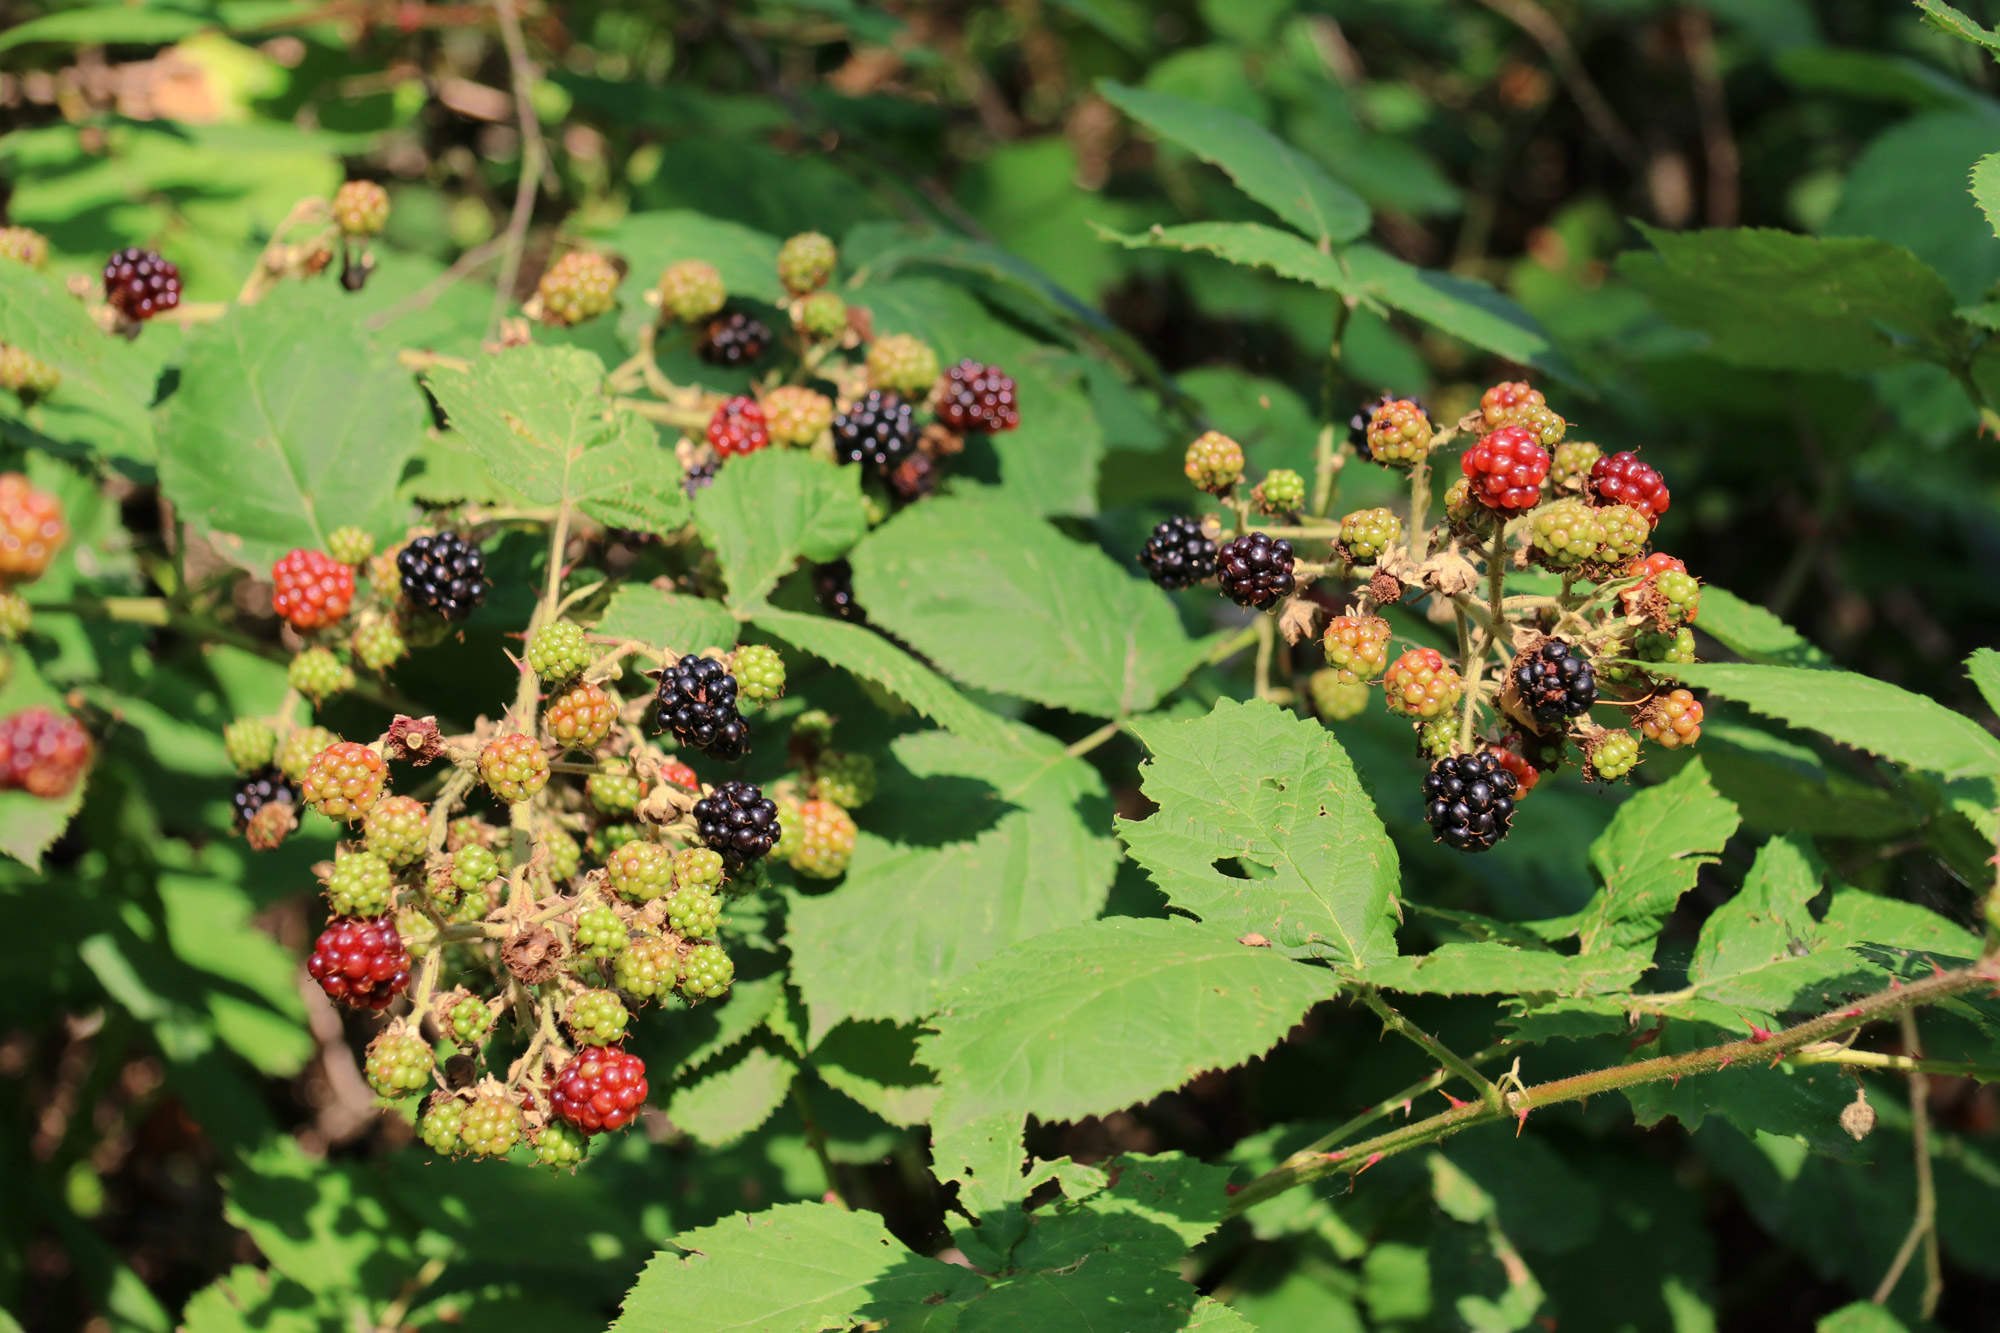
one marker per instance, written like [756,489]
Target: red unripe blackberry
[361,964]
[1526,775]
[1421,684]
[1357,646]
[1506,469]
[973,397]
[876,429]
[1255,570]
[1555,682]
[678,773]
[1503,404]
[580,717]
[361,208]
[738,427]
[139,284]
[600,1089]
[311,589]
[513,767]
[1469,801]
[1622,479]
[915,477]
[733,338]
[43,752]
[1178,554]
[31,528]
[444,573]
[697,703]
[257,791]
[738,821]
[1672,720]
[345,780]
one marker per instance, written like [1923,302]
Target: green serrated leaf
[1096,1017]
[245,1300]
[876,1065]
[1948,19]
[1984,668]
[1856,710]
[1254,784]
[1486,967]
[288,423]
[872,657]
[1246,244]
[1780,301]
[1657,843]
[445,470]
[729,1101]
[1462,307]
[909,920]
[323,1225]
[747,259]
[985,1157]
[542,420]
[789,1269]
[664,619]
[1748,630]
[1264,167]
[763,512]
[106,383]
[998,598]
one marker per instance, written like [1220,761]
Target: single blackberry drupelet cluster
[43,752]
[1214,462]
[311,589]
[738,821]
[345,780]
[1366,533]
[513,767]
[692,290]
[318,674]
[578,287]
[706,973]
[1357,646]
[444,574]
[558,651]
[822,315]
[599,932]
[1506,469]
[698,868]
[361,964]
[376,642]
[1421,684]
[738,426]
[257,791]
[361,208]
[1613,755]
[598,1018]
[1398,433]
[759,672]
[1556,683]
[1623,479]
[1469,801]
[614,793]
[826,840]
[697,703]
[492,1124]
[1282,491]
[648,966]
[1571,463]
[32,528]
[734,339]
[1503,404]
[694,912]
[360,885]
[1672,720]
[977,397]
[848,780]
[250,743]
[399,1062]
[699,477]
[877,429]
[26,375]
[1255,569]
[902,363]
[139,284]
[806,261]
[1178,554]
[1336,695]
[580,717]
[397,830]
[600,1089]
[640,871]
[797,415]
[1567,533]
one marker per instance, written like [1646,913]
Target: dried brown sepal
[269,827]
[1858,1117]
[416,739]
[1297,618]
[533,954]
[1384,588]
[940,441]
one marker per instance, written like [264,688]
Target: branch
[1923,1226]
[1453,1062]
[522,76]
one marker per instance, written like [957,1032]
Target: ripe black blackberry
[259,790]
[443,573]
[738,821]
[139,284]
[733,338]
[876,430]
[697,703]
[833,588]
[1469,801]
[1256,569]
[698,477]
[1555,683]
[1178,554]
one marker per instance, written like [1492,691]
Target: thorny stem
[1420,504]
[1393,1021]
[522,77]
[1840,1055]
[1923,1227]
[1342,1133]
[1304,1167]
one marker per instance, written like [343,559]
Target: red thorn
[1520,1122]
[1895,983]
[1406,1109]
[1719,1068]
[1373,1158]
[1335,1156]
[1758,1034]
[1855,1012]
[1455,1102]
[1677,1080]
[1232,1189]
[1777,1059]
[1936,970]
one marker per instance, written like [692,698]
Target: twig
[1718,142]
[1095,738]
[1548,34]
[816,1137]
[1394,1021]
[1923,1227]
[522,76]
[436,287]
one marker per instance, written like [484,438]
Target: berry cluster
[1533,667]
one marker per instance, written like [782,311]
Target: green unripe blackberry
[1357,647]
[805,262]
[694,913]
[26,374]
[17,618]
[1683,594]
[560,1144]
[473,867]
[1436,737]
[360,885]
[647,967]
[318,674]
[1571,464]
[1366,533]
[1541,420]
[565,857]
[614,793]
[1336,696]
[706,973]
[417,932]
[814,727]
[1614,754]
[597,1018]
[513,767]
[377,643]
[902,364]
[823,315]
[441,1123]
[350,545]
[298,750]
[697,868]
[468,831]
[797,416]
[469,1021]
[848,780]
[759,672]
[250,744]
[1567,533]
[599,933]
[606,839]
[1398,433]
[360,208]
[558,651]
[491,1126]
[826,840]
[791,829]
[692,290]
[1281,492]
[1676,647]
[580,286]
[640,871]
[1626,532]
[399,1062]
[398,830]
[1213,462]
[474,906]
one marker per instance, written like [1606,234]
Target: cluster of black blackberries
[879,430]
[1469,801]
[1556,683]
[697,703]
[1178,554]
[1255,570]
[259,790]
[443,573]
[733,338]
[738,821]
